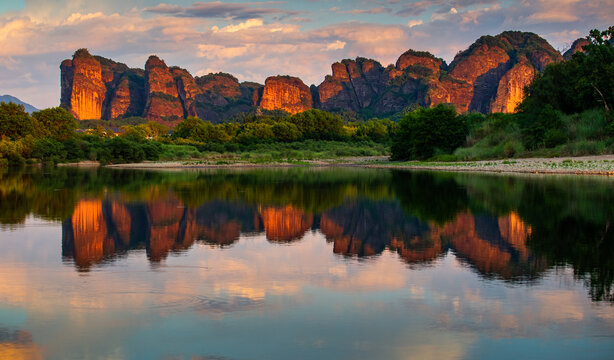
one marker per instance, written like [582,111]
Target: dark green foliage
[196,129]
[423,131]
[49,150]
[15,122]
[584,82]
[286,131]
[545,124]
[318,125]
[56,123]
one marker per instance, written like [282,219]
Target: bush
[49,150]
[554,137]
[424,130]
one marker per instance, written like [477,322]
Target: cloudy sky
[253,40]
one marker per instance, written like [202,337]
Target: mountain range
[489,76]
[8,98]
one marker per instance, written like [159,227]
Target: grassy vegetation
[499,136]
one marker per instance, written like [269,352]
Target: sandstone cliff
[285,93]
[577,45]
[487,77]
[93,87]
[83,90]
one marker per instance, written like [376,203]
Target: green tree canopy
[56,123]
[584,82]
[423,131]
[15,123]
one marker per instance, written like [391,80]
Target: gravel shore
[583,165]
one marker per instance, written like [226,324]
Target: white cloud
[412,23]
[337,45]
[251,23]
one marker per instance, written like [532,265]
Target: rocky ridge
[489,76]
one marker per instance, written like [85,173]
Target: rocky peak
[159,77]
[83,91]
[577,45]
[340,72]
[222,83]
[419,58]
[163,102]
[285,93]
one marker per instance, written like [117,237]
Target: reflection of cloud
[259,277]
[18,345]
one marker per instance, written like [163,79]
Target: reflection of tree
[428,196]
[572,226]
[484,219]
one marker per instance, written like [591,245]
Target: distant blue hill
[8,98]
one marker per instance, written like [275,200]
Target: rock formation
[285,93]
[94,87]
[487,77]
[577,45]
[510,91]
[83,90]
[163,103]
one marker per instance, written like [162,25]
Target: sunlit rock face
[497,65]
[285,224]
[489,76]
[83,91]
[354,85]
[577,46]
[285,93]
[163,103]
[94,87]
[510,91]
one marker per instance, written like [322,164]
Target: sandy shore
[584,165]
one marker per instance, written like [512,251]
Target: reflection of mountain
[284,224]
[100,230]
[494,246]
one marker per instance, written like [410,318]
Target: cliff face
[285,93]
[83,90]
[354,85]
[487,77]
[94,87]
[577,45]
[510,90]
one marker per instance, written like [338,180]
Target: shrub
[422,131]
[49,150]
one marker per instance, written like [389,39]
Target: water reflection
[18,344]
[510,228]
[327,264]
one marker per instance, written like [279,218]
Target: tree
[196,129]
[286,131]
[15,123]
[582,83]
[56,123]
[423,131]
[318,124]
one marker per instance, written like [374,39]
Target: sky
[253,40]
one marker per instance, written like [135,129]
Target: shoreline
[597,165]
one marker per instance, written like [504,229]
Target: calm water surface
[304,264]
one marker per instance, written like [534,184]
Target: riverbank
[583,165]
